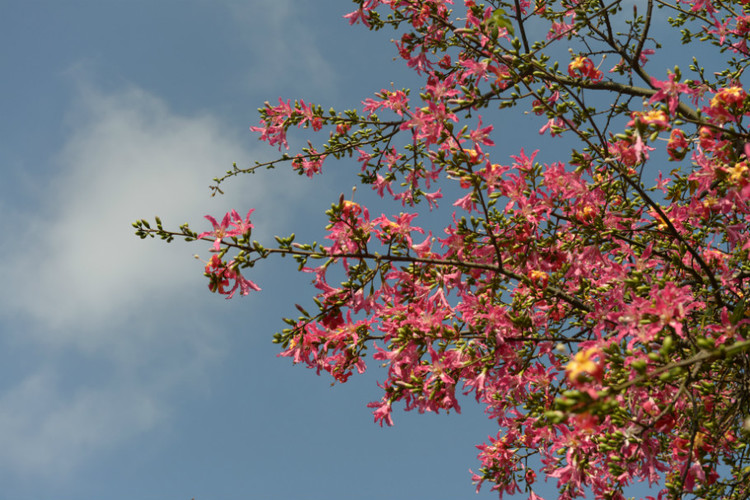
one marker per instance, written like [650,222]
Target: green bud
[666,376]
[565,402]
[554,417]
[639,365]
[667,345]
[705,343]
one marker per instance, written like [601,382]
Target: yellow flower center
[583,362]
[738,172]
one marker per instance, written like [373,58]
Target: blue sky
[121,376]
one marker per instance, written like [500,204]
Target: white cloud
[81,287]
[127,157]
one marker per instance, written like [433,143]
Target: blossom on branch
[222,230]
[582,67]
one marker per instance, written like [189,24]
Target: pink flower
[221,231]
[482,134]
[582,67]
[275,121]
[357,16]
[307,164]
[466,202]
[677,145]
[669,91]
[222,274]
[382,412]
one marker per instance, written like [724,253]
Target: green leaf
[738,313]
[500,19]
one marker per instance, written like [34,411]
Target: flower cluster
[225,278]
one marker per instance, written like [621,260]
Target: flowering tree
[595,305]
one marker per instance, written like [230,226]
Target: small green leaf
[500,19]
